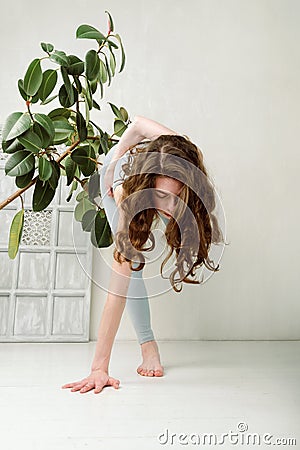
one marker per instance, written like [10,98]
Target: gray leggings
[137,303]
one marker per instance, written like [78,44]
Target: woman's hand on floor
[96,380]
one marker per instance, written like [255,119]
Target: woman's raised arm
[139,129]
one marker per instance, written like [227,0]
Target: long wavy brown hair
[193,227]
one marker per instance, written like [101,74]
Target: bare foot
[150,366]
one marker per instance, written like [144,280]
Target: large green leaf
[48,48]
[122,51]
[12,146]
[77,83]
[82,194]
[31,141]
[45,169]
[89,32]
[60,58]
[42,195]
[81,126]
[124,114]
[70,168]
[58,113]
[23,180]
[64,98]
[101,235]
[102,72]
[81,155]
[104,146]
[33,77]
[46,123]
[81,208]
[92,65]
[94,186]
[63,129]
[111,44]
[116,111]
[76,65]
[19,163]
[73,188]
[21,89]
[26,97]
[48,84]
[15,125]
[15,233]
[49,99]
[90,129]
[88,218]
[68,85]
[112,61]
[93,85]
[110,21]
[119,127]
[107,70]
[45,139]
[95,105]
[95,145]
[88,94]
[53,180]
[101,88]
[87,110]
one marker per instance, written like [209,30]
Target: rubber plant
[31,138]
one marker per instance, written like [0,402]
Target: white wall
[226,73]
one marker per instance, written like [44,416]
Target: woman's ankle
[145,344]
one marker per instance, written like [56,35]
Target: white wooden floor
[208,387]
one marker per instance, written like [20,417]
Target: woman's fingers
[113,382]
[70,385]
[78,386]
[98,388]
[86,385]
[110,382]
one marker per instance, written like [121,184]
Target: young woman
[164,178]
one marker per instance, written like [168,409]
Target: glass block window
[34,270]
[4,304]
[37,227]
[45,291]
[30,316]
[67,315]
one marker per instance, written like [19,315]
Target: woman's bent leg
[138,308]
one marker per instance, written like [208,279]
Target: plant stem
[102,44]
[93,138]
[28,107]
[96,162]
[33,181]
